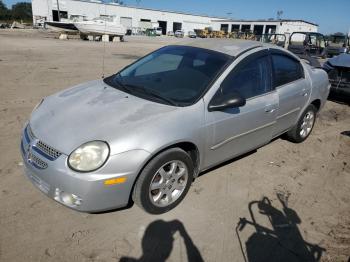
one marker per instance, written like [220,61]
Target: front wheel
[164,182]
[304,126]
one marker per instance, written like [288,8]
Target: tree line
[21,11]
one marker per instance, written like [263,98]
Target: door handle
[270,110]
[304,92]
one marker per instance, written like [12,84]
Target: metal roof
[150,9]
[265,21]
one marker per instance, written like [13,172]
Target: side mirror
[221,102]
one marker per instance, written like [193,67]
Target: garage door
[126,22]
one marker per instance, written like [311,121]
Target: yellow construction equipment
[203,33]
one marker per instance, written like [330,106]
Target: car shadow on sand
[158,240]
[282,241]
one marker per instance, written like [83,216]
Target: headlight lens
[89,156]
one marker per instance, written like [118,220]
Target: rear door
[292,87]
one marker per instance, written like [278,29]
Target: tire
[296,134]
[171,175]
[83,36]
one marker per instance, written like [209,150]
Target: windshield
[176,75]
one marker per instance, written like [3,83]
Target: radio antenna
[104,43]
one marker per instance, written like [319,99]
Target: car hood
[94,111]
[342,60]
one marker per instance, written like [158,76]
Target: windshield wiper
[153,94]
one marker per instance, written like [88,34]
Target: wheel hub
[168,183]
[307,124]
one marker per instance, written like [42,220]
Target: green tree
[22,11]
[4,12]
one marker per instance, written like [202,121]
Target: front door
[235,131]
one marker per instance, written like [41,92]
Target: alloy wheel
[168,183]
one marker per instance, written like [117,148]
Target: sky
[331,15]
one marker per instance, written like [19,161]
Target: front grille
[339,84]
[40,147]
[36,161]
[340,78]
[52,153]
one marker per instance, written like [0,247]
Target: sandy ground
[311,178]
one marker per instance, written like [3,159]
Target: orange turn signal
[114,181]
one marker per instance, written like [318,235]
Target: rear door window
[286,69]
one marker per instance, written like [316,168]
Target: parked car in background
[307,44]
[338,44]
[159,31]
[150,32]
[170,33]
[338,69]
[179,33]
[146,132]
[192,34]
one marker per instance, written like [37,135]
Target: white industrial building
[136,17]
[130,17]
[283,26]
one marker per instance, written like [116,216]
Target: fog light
[67,198]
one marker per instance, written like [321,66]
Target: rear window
[286,70]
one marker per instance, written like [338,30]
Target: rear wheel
[303,128]
[164,181]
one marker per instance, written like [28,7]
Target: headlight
[89,156]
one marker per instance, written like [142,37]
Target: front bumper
[85,192]
[340,88]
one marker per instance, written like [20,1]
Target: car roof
[232,47]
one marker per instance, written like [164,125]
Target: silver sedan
[142,135]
